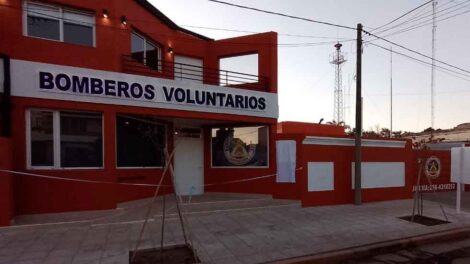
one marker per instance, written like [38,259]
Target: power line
[416,94]
[426,23]
[282,45]
[294,44]
[283,15]
[330,24]
[405,14]
[439,68]
[256,32]
[416,52]
[425,16]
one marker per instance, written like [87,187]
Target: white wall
[381,174]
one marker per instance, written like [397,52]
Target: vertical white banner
[460,170]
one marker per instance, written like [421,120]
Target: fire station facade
[104,94]
[110,90]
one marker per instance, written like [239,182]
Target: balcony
[192,73]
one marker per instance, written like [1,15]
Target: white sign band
[50,81]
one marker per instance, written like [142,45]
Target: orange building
[109,90]
[98,96]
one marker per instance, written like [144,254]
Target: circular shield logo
[432,167]
[237,152]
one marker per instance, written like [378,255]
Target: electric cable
[417,52]
[423,17]
[423,24]
[257,32]
[283,15]
[405,14]
[424,62]
[222,42]
[443,70]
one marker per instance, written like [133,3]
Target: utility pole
[433,78]
[391,92]
[358,134]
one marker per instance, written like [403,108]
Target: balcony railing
[188,72]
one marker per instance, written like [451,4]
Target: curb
[357,252]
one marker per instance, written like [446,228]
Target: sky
[306,78]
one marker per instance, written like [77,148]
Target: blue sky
[306,78]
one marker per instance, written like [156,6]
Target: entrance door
[189,170]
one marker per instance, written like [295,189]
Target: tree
[429,129]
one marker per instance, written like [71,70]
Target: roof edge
[158,14]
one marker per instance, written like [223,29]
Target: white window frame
[268,132]
[158,46]
[56,141]
[60,17]
[165,127]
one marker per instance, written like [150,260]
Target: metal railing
[181,71]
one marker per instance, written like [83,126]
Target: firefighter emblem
[432,167]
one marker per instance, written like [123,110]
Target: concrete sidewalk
[226,228]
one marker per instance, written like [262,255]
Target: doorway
[189,161]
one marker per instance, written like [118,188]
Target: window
[240,147]
[140,141]
[63,139]
[188,69]
[61,24]
[146,52]
[81,141]
[238,70]
[42,139]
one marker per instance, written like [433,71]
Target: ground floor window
[240,146]
[64,139]
[140,141]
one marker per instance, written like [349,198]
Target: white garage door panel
[381,174]
[320,176]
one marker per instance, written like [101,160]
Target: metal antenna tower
[337,59]
[433,81]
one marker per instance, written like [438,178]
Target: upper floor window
[145,51]
[60,24]
[188,69]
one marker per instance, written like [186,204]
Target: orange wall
[310,129]
[343,156]
[34,195]
[444,177]
[6,186]
[291,190]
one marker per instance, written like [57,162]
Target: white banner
[50,81]
[460,165]
[286,160]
